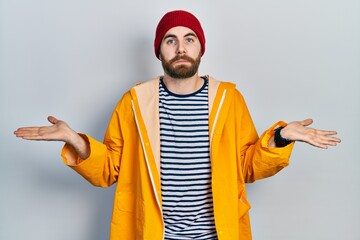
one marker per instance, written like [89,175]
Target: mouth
[181,61]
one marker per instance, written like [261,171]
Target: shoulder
[150,86]
[220,86]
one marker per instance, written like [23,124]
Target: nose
[181,48]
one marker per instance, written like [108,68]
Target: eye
[170,41]
[189,40]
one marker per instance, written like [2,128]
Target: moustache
[184,57]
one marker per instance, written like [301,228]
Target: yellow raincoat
[130,156]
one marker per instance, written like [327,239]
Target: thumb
[52,119]
[306,122]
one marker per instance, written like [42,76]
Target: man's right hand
[58,131]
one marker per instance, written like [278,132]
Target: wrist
[79,144]
[72,137]
[279,140]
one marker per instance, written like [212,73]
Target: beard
[182,71]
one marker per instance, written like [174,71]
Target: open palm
[299,131]
[58,131]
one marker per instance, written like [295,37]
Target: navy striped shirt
[185,165]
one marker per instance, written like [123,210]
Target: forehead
[179,31]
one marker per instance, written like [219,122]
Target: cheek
[194,49]
[195,53]
[166,52]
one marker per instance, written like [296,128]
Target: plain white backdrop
[74,60]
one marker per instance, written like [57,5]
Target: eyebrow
[174,36]
[190,34]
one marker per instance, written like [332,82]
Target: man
[180,147]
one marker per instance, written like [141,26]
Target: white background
[74,60]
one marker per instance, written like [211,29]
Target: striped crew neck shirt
[185,166]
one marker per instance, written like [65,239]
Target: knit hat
[174,19]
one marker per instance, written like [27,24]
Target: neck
[183,86]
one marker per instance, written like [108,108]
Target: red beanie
[174,19]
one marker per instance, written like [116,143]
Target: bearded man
[180,147]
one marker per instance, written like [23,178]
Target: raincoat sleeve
[101,168]
[256,159]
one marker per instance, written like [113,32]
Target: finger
[306,122]
[324,141]
[32,132]
[25,130]
[333,141]
[28,131]
[321,144]
[52,119]
[328,135]
[330,141]
[33,137]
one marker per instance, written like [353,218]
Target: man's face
[180,52]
